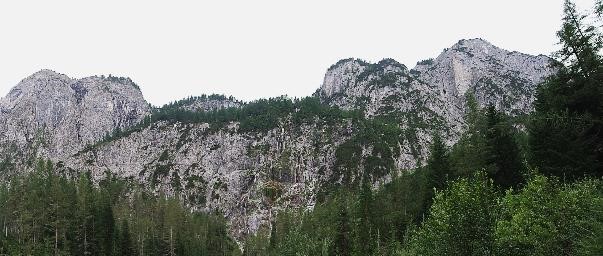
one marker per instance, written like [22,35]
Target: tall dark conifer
[438,163]
[566,131]
[343,243]
[502,152]
[365,237]
[125,246]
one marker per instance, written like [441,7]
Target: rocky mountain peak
[504,78]
[51,115]
[476,44]
[46,73]
[341,75]
[433,94]
[38,80]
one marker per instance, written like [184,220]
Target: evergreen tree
[468,154]
[566,130]
[85,216]
[580,43]
[438,164]
[342,244]
[437,171]
[365,240]
[125,246]
[46,214]
[502,152]
[104,226]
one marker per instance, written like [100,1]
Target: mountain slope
[248,160]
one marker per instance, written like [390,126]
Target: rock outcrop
[53,116]
[436,88]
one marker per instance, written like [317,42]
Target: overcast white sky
[252,49]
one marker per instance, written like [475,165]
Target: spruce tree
[468,154]
[438,164]
[365,240]
[125,246]
[502,152]
[342,243]
[85,216]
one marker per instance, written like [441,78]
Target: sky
[252,49]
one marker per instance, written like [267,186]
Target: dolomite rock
[224,170]
[507,80]
[248,176]
[51,115]
[433,94]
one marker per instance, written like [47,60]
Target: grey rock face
[246,176]
[495,76]
[249,176]
[433,94]
[51,115]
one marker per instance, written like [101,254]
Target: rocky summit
[249,160]
[51,115]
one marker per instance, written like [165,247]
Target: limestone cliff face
[434,92]
[250,175]
[495,76]
[246,176]
[51,115]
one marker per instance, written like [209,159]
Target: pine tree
[105,223]
[468,155]
[438,171]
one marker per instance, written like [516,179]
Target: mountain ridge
[263,156]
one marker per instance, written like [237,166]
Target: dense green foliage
[46,214]
[257,116]
[461,220]
[544,218]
